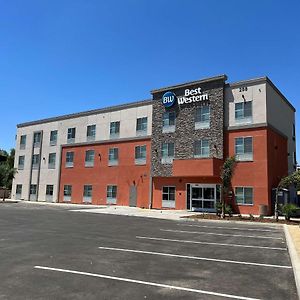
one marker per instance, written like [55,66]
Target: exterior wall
[255,93]
[181,192]
[124,175]
[185,133]
[281,116]
[127,118]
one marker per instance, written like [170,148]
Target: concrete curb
[294,258]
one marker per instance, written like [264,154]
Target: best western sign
[190,96]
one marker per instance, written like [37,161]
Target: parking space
[53,253]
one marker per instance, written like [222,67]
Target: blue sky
[59,57]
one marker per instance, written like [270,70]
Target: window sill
[244,204]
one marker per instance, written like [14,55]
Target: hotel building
[165,152]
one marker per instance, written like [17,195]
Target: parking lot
[50,252]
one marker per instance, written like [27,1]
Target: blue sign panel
[168,99]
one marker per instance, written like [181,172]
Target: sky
[59,57]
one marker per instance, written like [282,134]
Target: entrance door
[203,197]
[132,195]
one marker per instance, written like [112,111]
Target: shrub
[251,217]
[288,210]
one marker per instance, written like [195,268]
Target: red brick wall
[101,175]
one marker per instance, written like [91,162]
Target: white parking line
[145,283]
[224,234]
[196,257]
[209,243]
[230,228]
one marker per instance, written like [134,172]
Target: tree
[7,170]
[227,172]
[286,182]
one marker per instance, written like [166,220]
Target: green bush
[228,209]
[288,210]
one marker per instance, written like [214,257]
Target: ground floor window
[67,192]
[18,191]
[111,194]
[33,192]
[87,193]
[168,196]
[244,195]
[49,192]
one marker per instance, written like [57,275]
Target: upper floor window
[244,195]
[111,194]
[87,193]
[37,139]
[294,131]
[201,148]
[114,129]
[22,142]
[202,118]
[89,158]
[21,162]
[169,118]
[244,148]
[53,138]
[243,112]
[35,161]
[67,192]
[140,155]
[71,135]
[51,160]
[113,156]
[91,133]
[69,159]
[167,153]
[141,126]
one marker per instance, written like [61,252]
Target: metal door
[132,196]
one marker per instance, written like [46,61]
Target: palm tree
[227,171]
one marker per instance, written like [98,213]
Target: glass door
[203,197]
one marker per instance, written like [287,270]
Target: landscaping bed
[206,216]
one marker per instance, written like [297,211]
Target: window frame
[22,145]
[67,192]
[167,159]
[113,161]
[141,127]
[202,154]
[21,166]
[71,135]
[114,129]
[111,199]
[89,162]
[87,197]
[243,203]
[53,141]
[245,156]
[51,165]
[140,159]
[36,162]
[243,119]
[91,132]
[168,203]
[69,163]
[200,122]
[166,126]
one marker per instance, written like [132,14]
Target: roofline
[204,80]
[88,113]
[262,80]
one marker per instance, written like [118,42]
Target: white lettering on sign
[196,95]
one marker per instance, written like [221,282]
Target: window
[169,121]
[114,129]
[294,158]
[89,158]
[294,132]
[87,193]
[33,192]
[113,157]
[51,160]
[49,190]
[53,138]
[141,126]
[201,148]
[202,118]
[140,155]
[67,192]
[69,159]
[22,142]
[168,196]
[244,149]
[167,153]
[91,133]
[243,112]
[21,162]
[18,191]
[37,139]
[111,195]
[71,135]
[35,161]
[244,195]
